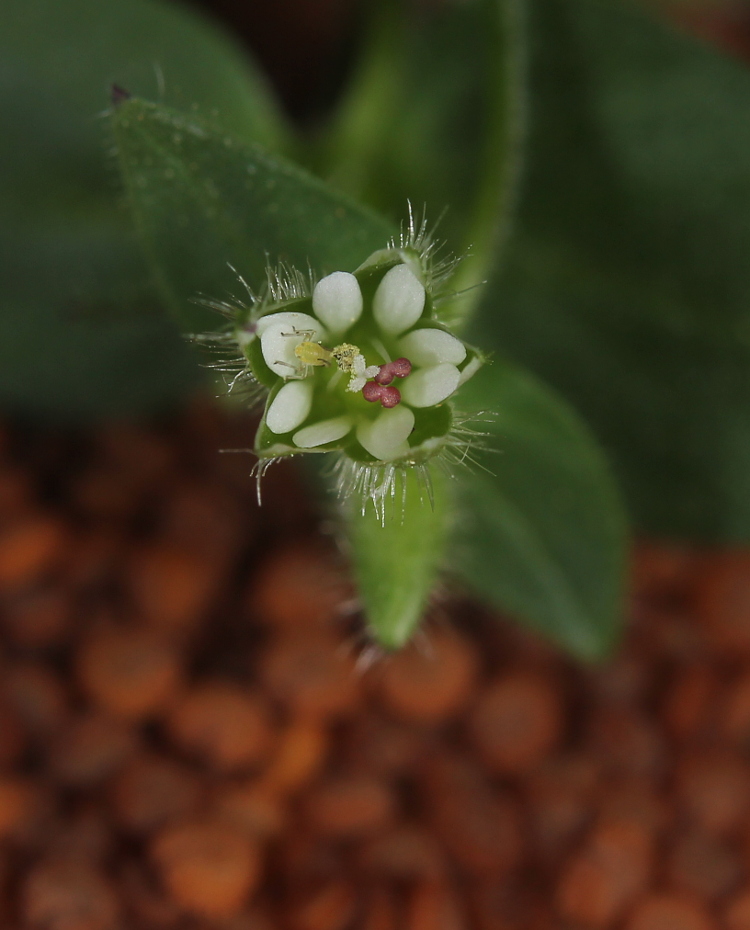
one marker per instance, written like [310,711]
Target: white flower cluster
[360,364]
[296,346]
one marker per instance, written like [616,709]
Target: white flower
[360,364]
[400,361]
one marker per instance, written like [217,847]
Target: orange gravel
[192,738]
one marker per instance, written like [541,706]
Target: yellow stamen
[345,355]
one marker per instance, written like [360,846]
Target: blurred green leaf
[396,561]
[627,283]
[81,333]
[202,199]
[543,536]
[433,115]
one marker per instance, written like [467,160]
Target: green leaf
[81,331]
[627,283]
[202,200]
[433,116]
[396,561]
[543,536]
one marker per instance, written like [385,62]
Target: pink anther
[388,396]
[399,368]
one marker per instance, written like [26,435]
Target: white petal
[337,301]
[385,437]
[429,386]
[356,383]
[302,322]
[320,433]
[471,369]
[399,300]
[281,334]
[290,407]
[431,347]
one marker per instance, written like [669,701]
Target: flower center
[349,359]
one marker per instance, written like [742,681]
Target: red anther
[388,396]
[399,368]
[385,375]
[372,391]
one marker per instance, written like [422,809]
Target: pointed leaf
[543,536]
[81,330]
[202,199]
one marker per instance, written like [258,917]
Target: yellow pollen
[345,355]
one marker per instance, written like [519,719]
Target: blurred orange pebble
[128,672]
[428,683]
[670,912]
[381,746]
[610,872]
[331,907]
[715,789]
[36,695]
[734,718]
[381,911]
[480,827]
[516,722]
[13,739]
[349,806]
[68,894]
[152,790]
[94,558]
[704,865]
[737,912]
[311,675]
[84,834]
[209,868]
[15,491]
[90,748]
[202,516]
[627,741]
[433,906]
[29,548]
[249,806]
[404,852]
[560,794]
[300,753]
[299,587]
[18,804]
[689,704]
[39,618]
[148,904]
[506,906]
[227,726]
[638,801]
[659,569]
[171,587]
[722,600]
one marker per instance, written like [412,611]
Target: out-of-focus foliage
[627,280]
[81,331]
[202,200]
[541,529]
[434,115]
[623,282]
